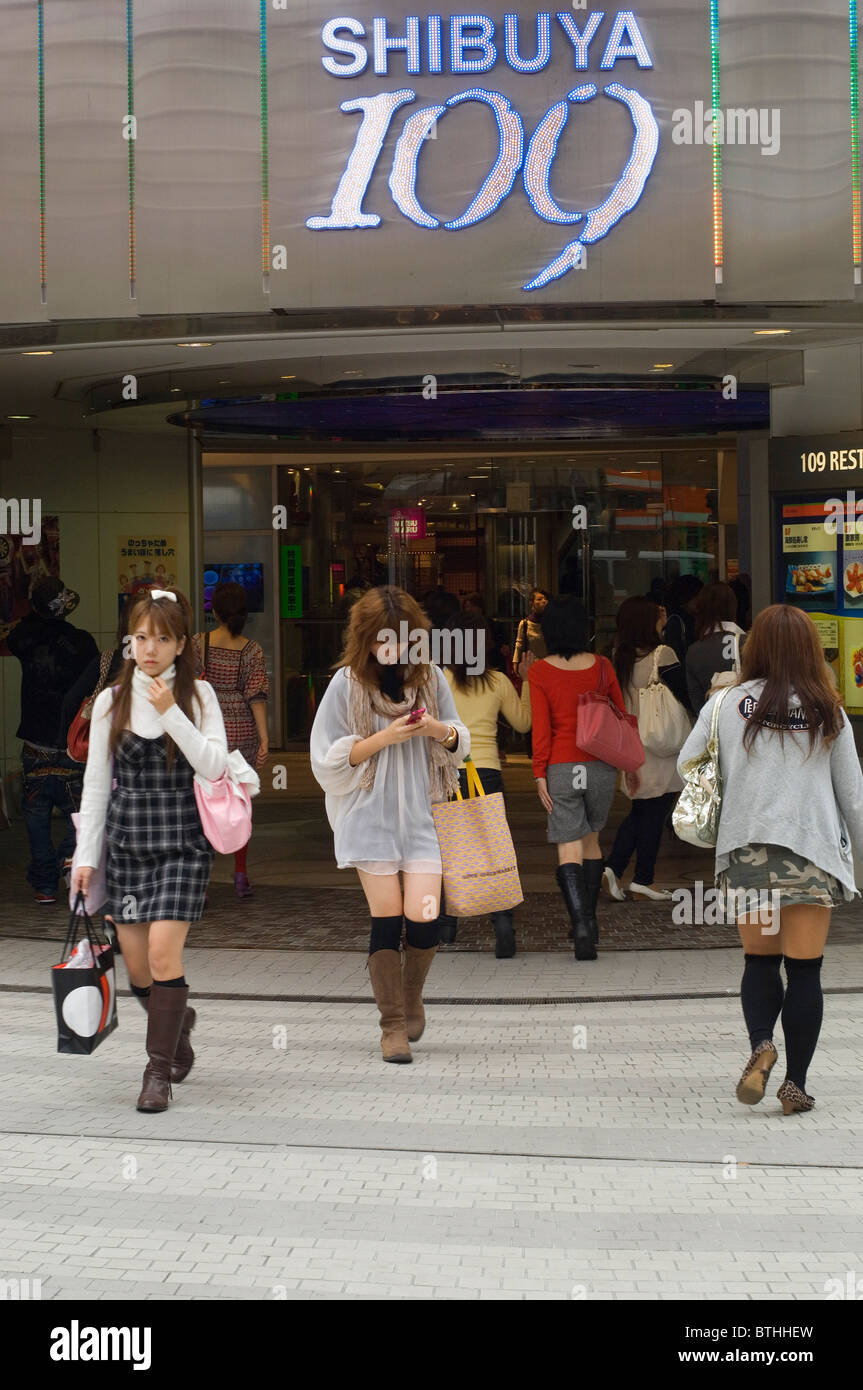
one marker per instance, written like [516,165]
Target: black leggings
[801,1006]
[640,834]
[387,934]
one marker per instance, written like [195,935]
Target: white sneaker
[613,887]
[659,895]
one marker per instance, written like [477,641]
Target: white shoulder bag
[663,723]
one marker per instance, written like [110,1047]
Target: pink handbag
[225,805]
[606,732]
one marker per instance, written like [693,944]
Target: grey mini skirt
[773,868]
[582,794]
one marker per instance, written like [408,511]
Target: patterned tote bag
[480,873]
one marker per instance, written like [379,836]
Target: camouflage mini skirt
[775,869]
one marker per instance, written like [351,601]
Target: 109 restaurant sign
[499,148]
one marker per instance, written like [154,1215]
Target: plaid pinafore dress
[158,860]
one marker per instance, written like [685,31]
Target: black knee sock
[386,934]
[801,1016]
[423,935]
[761,996]
[179,983]
[138,992]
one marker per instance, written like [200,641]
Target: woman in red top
[575,788]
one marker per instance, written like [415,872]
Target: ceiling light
[480,476]
[194,345]
[353,371]
[306,468]
[38,352]
[770,332]
[20,417]
[291,376]
[662,366]
[226,381]
[175,388]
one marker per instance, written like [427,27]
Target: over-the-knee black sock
[422,935]
[386,934]
[761,995]
[179,983]
[801,1016]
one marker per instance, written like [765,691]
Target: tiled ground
[571,1150]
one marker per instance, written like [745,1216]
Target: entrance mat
[337,919]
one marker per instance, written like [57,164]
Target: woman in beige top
[480,698]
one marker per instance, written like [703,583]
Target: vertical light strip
[718,235]
[265,156]
[40,48]
[130,112]
[856,237]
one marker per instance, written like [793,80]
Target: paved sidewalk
[541,1150]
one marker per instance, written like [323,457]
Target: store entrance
[485,529]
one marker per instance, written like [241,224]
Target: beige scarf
[365,702]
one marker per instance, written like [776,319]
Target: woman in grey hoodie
[792,805]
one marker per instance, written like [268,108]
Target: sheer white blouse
[389,826]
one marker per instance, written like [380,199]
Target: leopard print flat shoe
[794,1101]
[753,1082]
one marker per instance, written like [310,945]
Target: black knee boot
[570,878]
[593,871]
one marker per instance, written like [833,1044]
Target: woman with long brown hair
[385,744]
[150,734]
[792,805]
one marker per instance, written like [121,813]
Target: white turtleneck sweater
[203,743]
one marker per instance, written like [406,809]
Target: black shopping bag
[85,995]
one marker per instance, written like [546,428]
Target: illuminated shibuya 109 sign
[474,47]
[485,157]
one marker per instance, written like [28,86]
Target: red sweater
[554,701]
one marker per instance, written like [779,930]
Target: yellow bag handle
[474,785]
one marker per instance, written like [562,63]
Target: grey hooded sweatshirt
[781,794]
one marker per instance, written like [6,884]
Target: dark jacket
[53,654]
[703,659]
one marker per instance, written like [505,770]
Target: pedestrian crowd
[732,728]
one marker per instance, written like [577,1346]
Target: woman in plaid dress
[160,726]
[237,670]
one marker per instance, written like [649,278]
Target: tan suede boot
[416,967]
[385,973]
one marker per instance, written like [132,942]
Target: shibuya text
[473,43]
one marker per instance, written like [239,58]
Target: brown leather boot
[165,1012]
[385,973]
[184,1056]
[416,967]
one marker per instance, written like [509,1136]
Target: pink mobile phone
[415,716]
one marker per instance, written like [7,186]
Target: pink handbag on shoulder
[225,805]
[605,731]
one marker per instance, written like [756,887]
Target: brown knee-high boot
[416,966]
[385,973]
[165,1012]
[184,1056]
